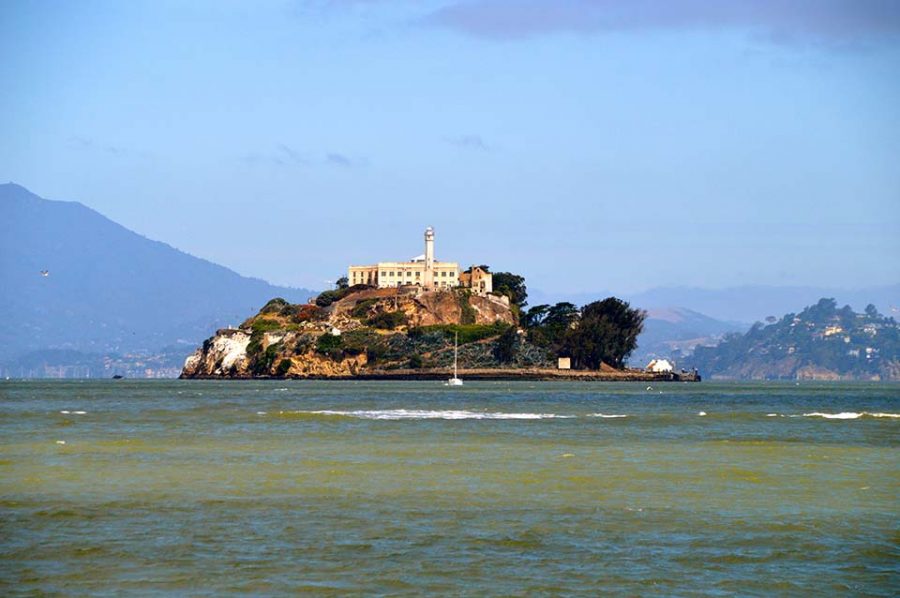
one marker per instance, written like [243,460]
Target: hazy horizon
[585,145]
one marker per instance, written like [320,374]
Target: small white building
[660,366]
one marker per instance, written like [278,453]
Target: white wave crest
[841,415]
[849,415]
[606,416]
[396,414]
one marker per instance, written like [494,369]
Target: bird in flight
[45,273]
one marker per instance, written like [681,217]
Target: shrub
[326,298]
[467,312]
[416,361]
[361,309]
[283,367]
[387,320]
[274,306]
[261,363]
[330,345]
[358,341]
[264,325]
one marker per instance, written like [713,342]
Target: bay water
[409,488]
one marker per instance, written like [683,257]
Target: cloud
[468,142]
[290,154]
[833,22]
[341,160]
[88,144]
[285,156]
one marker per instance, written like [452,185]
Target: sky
[586,144]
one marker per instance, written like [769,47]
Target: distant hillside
[749,303]
[107,289]
[674,332]
[821,342]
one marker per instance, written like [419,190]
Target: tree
[606,332]
[535,316]
[505,348]
[342,283]
[511,285]
[547,324]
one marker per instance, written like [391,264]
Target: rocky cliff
[360,330]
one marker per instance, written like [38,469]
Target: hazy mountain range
[746,304]
[106,288]
[73,280]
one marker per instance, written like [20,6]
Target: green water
[377,488]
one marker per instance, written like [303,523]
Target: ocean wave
[606,416]
[398,414]
[850,414]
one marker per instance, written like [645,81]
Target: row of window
[389,274]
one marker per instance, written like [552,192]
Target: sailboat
[455,381]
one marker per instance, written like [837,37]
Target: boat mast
[455,352]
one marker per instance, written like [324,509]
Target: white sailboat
[455,381]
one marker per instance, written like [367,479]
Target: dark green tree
[606,332]
[513,286]
[342,283]
[506,345]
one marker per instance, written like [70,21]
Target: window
[444,274]
[418,274]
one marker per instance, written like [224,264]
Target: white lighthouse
[428,278]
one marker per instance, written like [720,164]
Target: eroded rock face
[223,354]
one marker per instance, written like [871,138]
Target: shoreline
[534,374]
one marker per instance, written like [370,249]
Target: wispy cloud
[833,22]
[336,159]
[469,142]
[88,144]
[284,155]
[290,154]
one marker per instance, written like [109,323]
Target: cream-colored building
[423,271]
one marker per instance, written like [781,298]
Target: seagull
[45,273]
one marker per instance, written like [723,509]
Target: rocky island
[402,320]
[390,333]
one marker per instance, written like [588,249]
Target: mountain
[106,288]
[823,341]
[675,332]
[749,303]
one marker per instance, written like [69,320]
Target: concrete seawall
[501,374]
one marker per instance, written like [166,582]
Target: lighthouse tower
[428,278]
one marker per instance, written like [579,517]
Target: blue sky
[587,144]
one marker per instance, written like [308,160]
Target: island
[404,320]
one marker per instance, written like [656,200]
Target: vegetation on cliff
[823,341]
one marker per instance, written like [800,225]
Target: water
[377,488]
